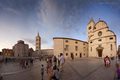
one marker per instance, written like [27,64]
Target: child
[42,71]
[118,71]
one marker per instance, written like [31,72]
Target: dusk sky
[22,19]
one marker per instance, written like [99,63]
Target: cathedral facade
[101,40]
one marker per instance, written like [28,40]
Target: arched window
[76,48]
[111,46]
[111,38]
[66,54]
[76,54]
[99,40]
[94,27]
[76,42]
[66,41]
[89,27]
[91,42]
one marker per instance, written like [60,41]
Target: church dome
[100,24]
[20,42]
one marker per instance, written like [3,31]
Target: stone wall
[61,43]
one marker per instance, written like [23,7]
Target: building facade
[45,52]
[38,43]
[7,52]
[70,47]
[30,52]
[101,41]
[20,49]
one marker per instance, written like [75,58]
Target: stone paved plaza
[79,69]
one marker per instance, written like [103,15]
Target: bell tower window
[94,27]
[89,27]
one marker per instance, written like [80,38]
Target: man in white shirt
[62,61]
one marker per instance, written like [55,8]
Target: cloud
[46,46]
[5,44]
[44,41]
[61,15]
[31,41]
[12,10]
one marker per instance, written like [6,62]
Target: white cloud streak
[12,10]
[6,44]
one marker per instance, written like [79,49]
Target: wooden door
[99,53]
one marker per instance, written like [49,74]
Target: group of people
[107,64]
[107,61]
[26,63]
[7,60]
[54,65]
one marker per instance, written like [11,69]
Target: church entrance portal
[99,53]
[100,49]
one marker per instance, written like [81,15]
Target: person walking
[50,64]
[105,60]
[42,71]
[23,64]
[118,71]
[31,63]
[62,61]
[58,60]
[55,60]
[27,63]
[6,60]
[47,67]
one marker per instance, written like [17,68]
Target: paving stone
[79,69]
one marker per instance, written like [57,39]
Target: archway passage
[72,56]
[80,55]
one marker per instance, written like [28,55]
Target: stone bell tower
[38,42]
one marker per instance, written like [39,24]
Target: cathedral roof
[91,21]
[20,42]
[38,34]
[68,38]
[100,22]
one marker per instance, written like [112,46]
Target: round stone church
[101,40]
